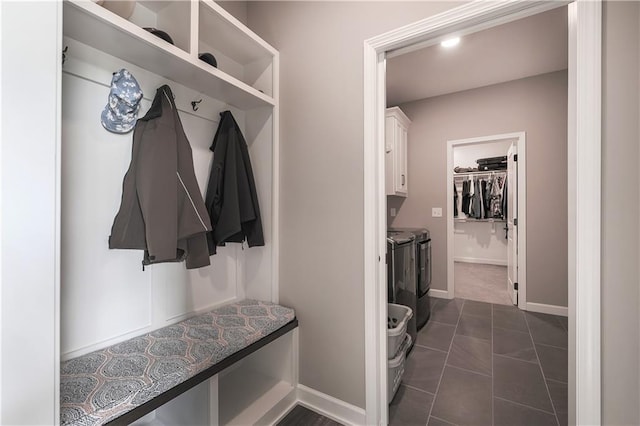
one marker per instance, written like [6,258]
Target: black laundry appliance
[401,276]
[423,272]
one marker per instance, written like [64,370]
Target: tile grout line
[551,346]
[443,351]
[430,348]
[511,329]
[517,359]
[476,316]
[446,358]
[443,421]
[493,394]
[418,389]
[546,385]
[557,381]
[524,405]
[469,371]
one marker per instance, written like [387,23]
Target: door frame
[584,189]
[520,139]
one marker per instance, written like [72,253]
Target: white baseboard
[280,410]
[548,309]
[442,294]
[479,260]
[331,407]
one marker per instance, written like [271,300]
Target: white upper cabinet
[396,131]
[244,75]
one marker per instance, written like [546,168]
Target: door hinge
[515,221]
[515,286]
[515,157]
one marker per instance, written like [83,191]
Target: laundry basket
[395,369]
[398,317]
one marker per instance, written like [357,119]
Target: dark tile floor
[476,363]
[303,416]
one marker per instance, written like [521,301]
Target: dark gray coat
[231,199]
[162,211]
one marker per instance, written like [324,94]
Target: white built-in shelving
[125,301]
[194,27]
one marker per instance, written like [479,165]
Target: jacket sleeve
[252,225]
[157,169]
[215,193]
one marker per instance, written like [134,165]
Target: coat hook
[194,104]
[64,56]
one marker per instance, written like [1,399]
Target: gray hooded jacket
[162,211]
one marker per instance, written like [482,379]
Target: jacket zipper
[191,200]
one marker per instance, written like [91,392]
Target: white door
[511,227]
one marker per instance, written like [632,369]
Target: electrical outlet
[436,212]
[393,212]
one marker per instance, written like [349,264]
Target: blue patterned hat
[120,114]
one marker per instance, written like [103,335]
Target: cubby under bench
[124,382]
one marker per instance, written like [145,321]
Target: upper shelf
[98,27]
[235,40]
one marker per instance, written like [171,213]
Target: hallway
[485,364]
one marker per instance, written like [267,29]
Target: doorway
[486,257]
[584,192]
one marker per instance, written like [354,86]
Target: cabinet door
[402,184]
[396,173]
[389,155]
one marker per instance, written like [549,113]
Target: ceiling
[523,48]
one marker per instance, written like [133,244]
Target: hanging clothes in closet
[455,200]
[497,195]
[504,199]
[483,197]
[466,196]
[486,194]
[476,205]
[231,199]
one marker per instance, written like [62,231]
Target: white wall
[466,156]
[479,242]
[238,8]
[29,266]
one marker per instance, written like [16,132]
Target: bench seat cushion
[102,385]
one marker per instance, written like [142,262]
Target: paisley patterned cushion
[100,386]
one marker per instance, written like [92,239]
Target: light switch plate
[436,212]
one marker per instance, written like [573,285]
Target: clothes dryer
[401,274]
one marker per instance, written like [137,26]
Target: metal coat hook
[64,56]
[194,104]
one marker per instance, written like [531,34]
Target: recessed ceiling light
[450,42]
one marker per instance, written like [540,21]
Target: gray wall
[620,214]
[321,193]
[536,105]
[237,8]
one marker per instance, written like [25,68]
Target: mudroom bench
[124,382]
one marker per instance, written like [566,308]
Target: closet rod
[108,86]
[478,173]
